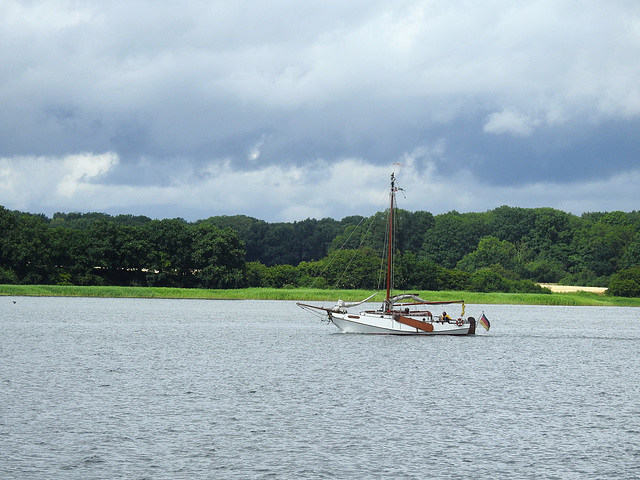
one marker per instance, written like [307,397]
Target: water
[166,389]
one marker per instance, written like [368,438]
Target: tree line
[504,249]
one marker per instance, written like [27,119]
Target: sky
[284,110]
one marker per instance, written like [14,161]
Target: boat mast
[390,251]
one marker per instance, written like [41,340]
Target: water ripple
[111,388]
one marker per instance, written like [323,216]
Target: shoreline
[565,296]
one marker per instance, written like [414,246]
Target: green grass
[307,294]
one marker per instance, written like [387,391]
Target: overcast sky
[288,109]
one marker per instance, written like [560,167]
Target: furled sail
[341,305]
[406,296]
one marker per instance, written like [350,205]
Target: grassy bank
[304,294]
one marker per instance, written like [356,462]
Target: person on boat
[445,318]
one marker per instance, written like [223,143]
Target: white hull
[384,324]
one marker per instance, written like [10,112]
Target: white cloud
[289,192]
[80,169]
[510,122]
[254,151]
[48,16]
[37,182]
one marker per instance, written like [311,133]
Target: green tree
[281,276]
[171,242]
[69,255]
[30,255]
[312,238]
[102,250]
[350,239]
[452,279]
[133,248]
[412,273]
[256,274]
[601,244]
[551,233]
[625,283]
[415,229]
[510,223]
[312,274]
[544,270]
[490,251]
[370,232]
[631,253]
[487,280]
[218,256]
[352,269]
[8,226]
[453,236]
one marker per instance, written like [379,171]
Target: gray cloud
[260,102]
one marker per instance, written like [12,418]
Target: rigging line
[333,257]
[385,243]
[363,238]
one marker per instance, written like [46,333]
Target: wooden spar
[412,322]
[389,253]
[304,305]
[440,302]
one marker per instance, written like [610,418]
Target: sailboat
[401,314]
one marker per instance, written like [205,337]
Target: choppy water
[113,388]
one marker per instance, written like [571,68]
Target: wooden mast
[390,251]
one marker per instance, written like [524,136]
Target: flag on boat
[484,321]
